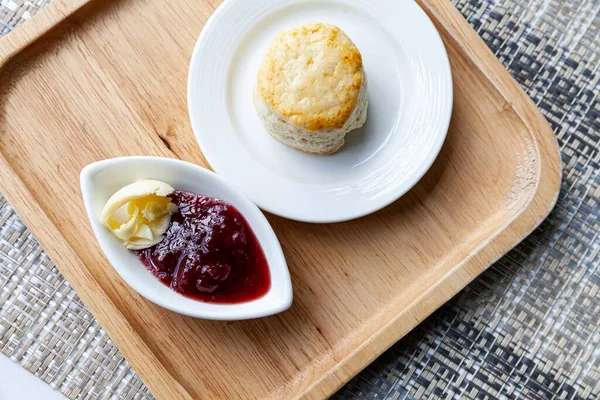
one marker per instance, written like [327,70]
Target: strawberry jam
[209,253]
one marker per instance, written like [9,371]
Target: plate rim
[288,212]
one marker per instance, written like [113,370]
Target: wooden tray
[89,79]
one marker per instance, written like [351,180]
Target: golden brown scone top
[312,75]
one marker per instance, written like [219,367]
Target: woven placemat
[529,327]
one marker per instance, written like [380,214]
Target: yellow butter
[139,214]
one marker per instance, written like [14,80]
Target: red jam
[209,253]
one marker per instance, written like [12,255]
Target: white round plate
[410,102]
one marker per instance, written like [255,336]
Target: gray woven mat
[529,327]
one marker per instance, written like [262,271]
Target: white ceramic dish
[410,102]
[102,179]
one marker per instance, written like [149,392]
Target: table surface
[529,327]
[16,383]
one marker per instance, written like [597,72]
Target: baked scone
[311,88]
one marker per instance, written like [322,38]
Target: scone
[312,88]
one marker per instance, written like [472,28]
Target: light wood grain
[88,80]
